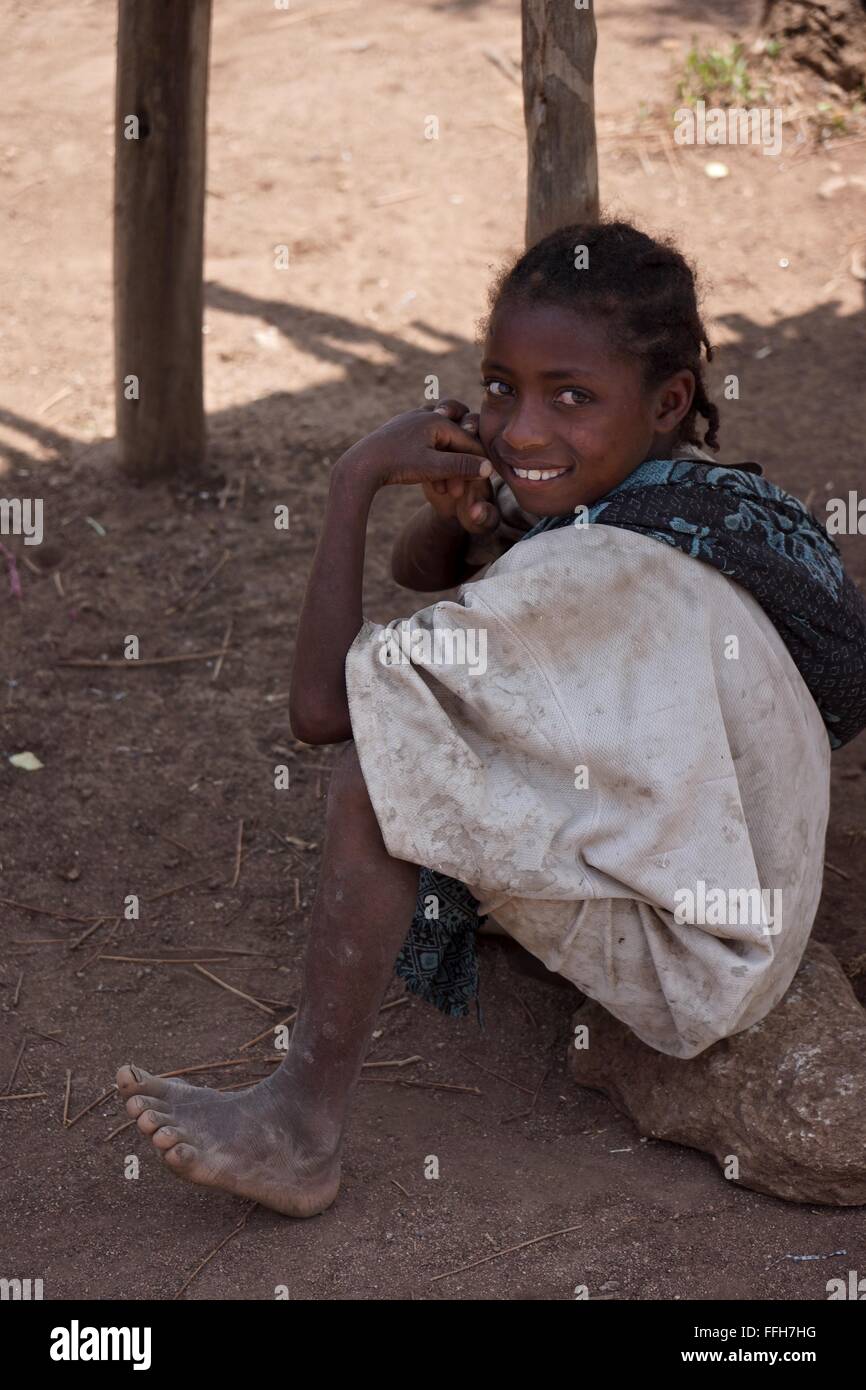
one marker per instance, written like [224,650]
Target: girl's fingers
[478,517]
[447,433]
[455,410]
[442,463]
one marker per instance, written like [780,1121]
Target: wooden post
[559,41]
[159,176]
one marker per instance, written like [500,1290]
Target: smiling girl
[672,648]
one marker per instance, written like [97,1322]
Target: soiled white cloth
[613,756]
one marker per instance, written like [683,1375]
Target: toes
[136,1104]
[181,1157]
[132,1080]
[165,1137]
[149,1121]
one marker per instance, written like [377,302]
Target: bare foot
[251,1143]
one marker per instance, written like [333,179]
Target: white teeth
[537,475]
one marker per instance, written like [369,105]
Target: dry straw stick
[98,952]
[79,940]
[171,960]
[257,1003]
[239,849]
[11,1082]
[178,888]
[89,662]
[194,593]
[106,1095]
[200,1266]
[289,1018]
[485,1259]
[496,1074]
[51,912]
[223,649]
[401,1062]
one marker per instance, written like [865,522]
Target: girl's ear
[674,399]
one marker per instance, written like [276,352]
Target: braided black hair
[644,287]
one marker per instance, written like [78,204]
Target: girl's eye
[575,391]
[490,384]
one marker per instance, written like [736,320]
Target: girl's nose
[525,429]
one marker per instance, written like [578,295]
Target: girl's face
[564,415]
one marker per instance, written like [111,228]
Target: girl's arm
[430,552]
[420,446]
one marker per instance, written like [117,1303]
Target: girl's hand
[420,446]
[466,501]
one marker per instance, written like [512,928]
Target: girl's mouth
[538,476]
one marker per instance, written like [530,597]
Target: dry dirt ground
[316,142]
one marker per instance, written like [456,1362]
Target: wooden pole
[159,177]
[559,41]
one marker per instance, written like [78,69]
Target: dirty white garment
[606,650]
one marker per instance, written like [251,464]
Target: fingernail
[486,469]
[477,512]
[439,410]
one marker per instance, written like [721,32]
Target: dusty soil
[316,141]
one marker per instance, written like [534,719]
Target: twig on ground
[178,888]
[399,1062]
[200,1266]
[395,1003]
[11,1082]
[50,912]
[91,662]
[289,1018]
[424,1085]
[239,849]
[87,1108]
[223,649]
[523,1004]
[503,65]
[37,940]
[127,1124]
[17,995]
[27,1095]
[179,844]
[98,952]
[170,960]
[496,1074]
[537,1092]
[257,1003]
[47,1036]
[509,1250]
[834,870]
[184,602]
[66,1099]
[79,940]
[204,1066]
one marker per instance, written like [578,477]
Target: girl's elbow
[318,727]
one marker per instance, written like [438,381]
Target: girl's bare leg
[280,1141]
